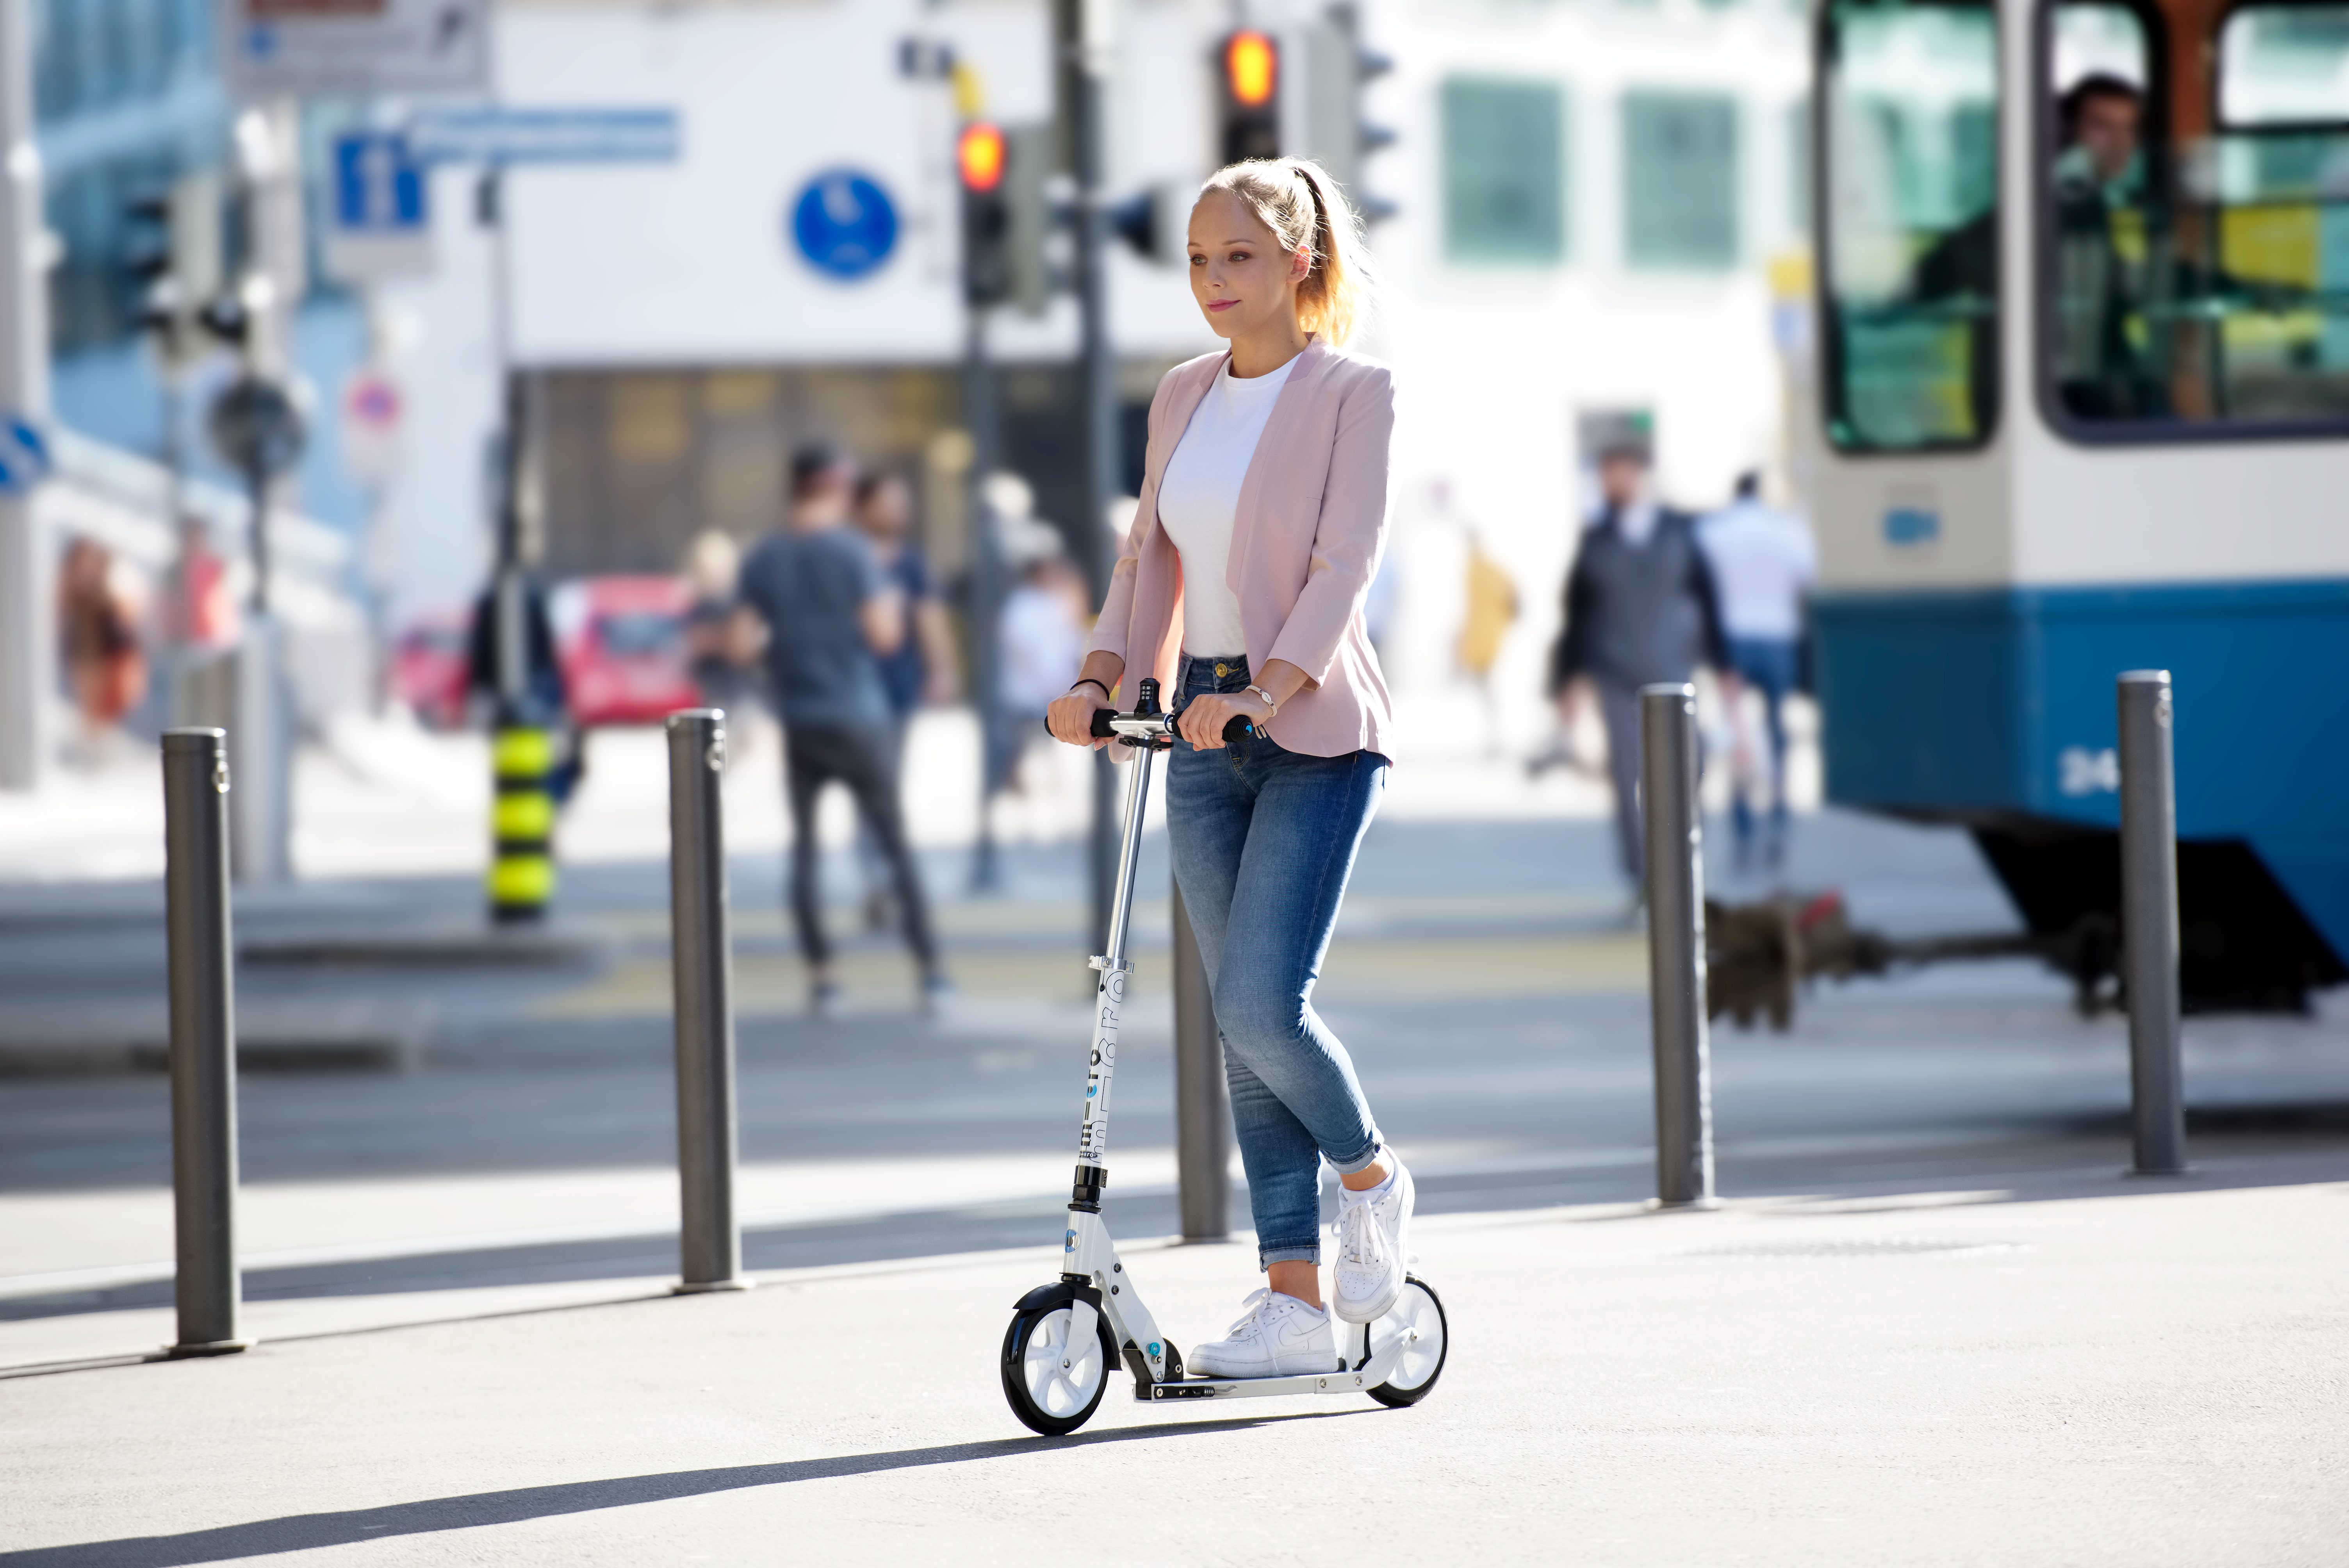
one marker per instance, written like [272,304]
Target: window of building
[1680,180]
[1503,171]
[1910,264]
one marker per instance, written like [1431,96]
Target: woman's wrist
[1089,681]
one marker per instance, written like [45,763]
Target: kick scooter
[1066,1337]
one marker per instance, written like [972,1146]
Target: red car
[430,665]
[621,643]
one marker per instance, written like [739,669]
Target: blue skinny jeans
[1263,841]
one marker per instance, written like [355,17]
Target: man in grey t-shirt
[828,615]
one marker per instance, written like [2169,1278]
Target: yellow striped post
[522,824]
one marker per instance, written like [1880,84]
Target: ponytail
[1304,208]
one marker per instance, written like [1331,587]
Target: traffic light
[981,159]
[1337,68]
[174,249]
[1251,96]
[1006,214]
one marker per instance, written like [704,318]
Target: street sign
[256,429]
[844,224]
[380,220]
[373,410]
[24,456]
[500,136]
[331,48]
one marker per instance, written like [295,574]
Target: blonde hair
[1296,200]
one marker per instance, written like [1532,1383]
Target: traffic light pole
[522,737]
[28,646]
[1082,34]
[982,418]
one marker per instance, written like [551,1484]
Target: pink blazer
[1311,526]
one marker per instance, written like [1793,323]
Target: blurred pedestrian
[713,567]
[199,614]
[1640,609]
[920,671]
[1042,639]
[830,616]
[1763,560]
[97,627]
[1492,610]
[545,699]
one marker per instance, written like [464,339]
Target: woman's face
[1241,277]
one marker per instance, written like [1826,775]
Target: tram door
[2083,298]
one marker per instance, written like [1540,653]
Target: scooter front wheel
[1418,1315]
[1054,1387]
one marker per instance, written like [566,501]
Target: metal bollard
[2149,923]
[1202,1108]
[701,958]
[1668,781]
[204,1040]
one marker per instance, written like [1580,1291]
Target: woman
[103,660]
[1262,516]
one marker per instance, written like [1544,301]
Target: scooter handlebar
[1109,725]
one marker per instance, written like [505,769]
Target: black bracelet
[1090,682]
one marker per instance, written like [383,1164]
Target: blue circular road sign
[844,223]
[24,455]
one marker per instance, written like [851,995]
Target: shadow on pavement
[308,1531]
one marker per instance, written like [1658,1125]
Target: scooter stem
[1109,996]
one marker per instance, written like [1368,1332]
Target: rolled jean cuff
[1368,1158]
[1306,1253]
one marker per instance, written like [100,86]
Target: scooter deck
[1259,1387]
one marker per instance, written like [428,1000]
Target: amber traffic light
[980,155]
[1251,96]
[1251,68]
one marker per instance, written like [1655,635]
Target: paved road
[2072,1371]
[1493,1003]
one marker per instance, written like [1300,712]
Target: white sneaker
[1276,1336]
[1373,1246]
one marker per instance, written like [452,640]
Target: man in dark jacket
[1640,609]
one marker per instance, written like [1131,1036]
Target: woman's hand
[1203,722]
[1070,716]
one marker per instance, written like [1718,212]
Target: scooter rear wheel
[1051,1387]
[1421,1314]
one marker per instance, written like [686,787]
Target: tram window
[1910,99]
[2195,274]
[2284,65]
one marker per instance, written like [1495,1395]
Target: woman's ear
[1300,264]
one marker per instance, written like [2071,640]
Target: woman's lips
[1221,303]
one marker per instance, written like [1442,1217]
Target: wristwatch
[1273,707]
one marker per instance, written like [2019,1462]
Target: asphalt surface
[1483,980]
[2069,1370]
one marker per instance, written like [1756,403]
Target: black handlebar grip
[1102,730]
[1238,729]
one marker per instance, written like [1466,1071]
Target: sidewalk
[2072,1369]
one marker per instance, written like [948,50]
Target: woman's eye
[1238,256]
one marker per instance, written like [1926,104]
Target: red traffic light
[980,155]
[1251,68]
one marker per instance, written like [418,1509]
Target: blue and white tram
[2084,300]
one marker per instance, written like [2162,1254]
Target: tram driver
[2102,368]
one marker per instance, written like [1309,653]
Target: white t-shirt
[1762,560]
[1199,499]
